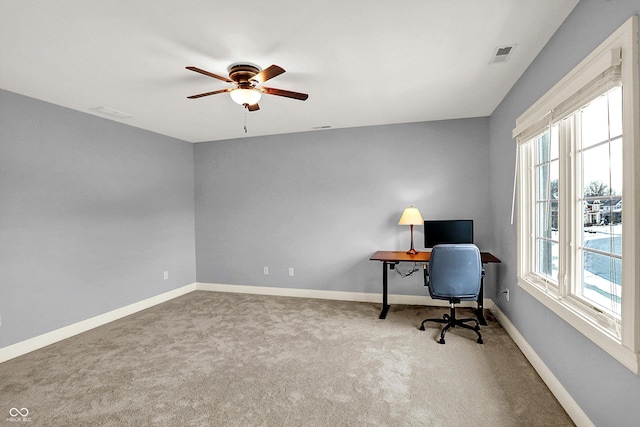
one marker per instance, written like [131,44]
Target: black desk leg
[480,309]
[385,306]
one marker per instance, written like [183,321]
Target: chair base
[450,321]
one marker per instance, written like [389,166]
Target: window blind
[569,95]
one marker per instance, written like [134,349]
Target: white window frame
[620,341]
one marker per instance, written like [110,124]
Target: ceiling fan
[248,80]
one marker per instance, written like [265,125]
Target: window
[578,181]
[599,151]
[546,166]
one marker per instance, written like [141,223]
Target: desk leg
[480,309]
[385,306]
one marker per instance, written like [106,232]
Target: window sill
[597,333]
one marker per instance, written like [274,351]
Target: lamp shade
[245,96]
[411,216]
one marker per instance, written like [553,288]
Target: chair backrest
[455,271]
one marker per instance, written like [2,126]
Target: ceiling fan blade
[254,107]
[268,73]
[207,73]
[215,92]
[285,93]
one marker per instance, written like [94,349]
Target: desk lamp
[411,216]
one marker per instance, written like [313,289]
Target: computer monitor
[447,231]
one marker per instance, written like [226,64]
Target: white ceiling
[362,62]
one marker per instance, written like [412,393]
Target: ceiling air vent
[502,54]
[111,112]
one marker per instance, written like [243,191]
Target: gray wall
[92,212]
[323,202]
[607,391]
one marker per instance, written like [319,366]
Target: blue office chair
[454,274]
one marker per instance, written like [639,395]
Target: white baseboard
[331,295]
[24,347]
[29,345]
[573,409]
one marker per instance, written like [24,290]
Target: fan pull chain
[245,120]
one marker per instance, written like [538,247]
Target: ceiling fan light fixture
[245,96]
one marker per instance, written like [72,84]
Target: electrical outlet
[507,292]
[265,271]
[166,275]
[290,271]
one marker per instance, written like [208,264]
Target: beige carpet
[218,359]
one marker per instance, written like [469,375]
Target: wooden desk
[392,258]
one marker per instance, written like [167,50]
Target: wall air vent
[502,54]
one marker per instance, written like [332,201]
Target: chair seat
[459,298]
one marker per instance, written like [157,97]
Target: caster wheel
[480,341]
[441,341]
[422,327]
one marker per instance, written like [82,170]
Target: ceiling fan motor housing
[242,73]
